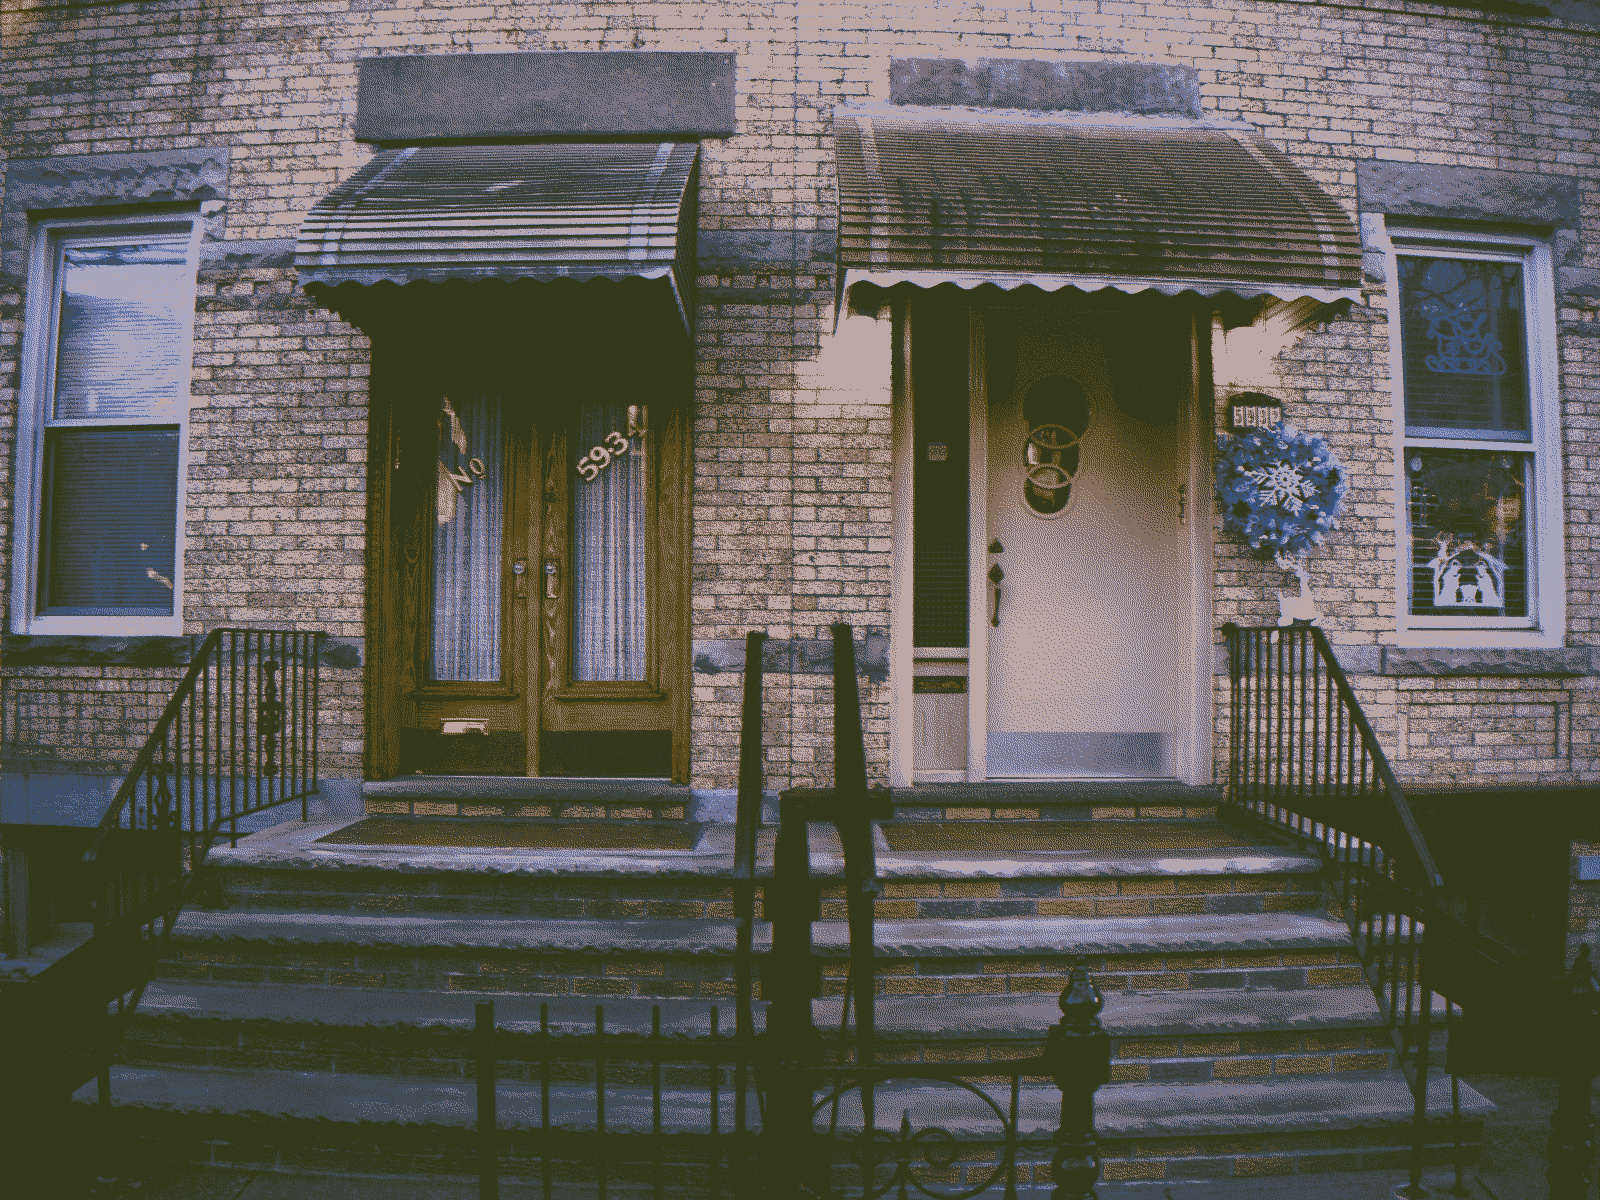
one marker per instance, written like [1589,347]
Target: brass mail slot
[956,684]
[455,727]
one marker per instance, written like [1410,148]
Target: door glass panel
[608,545]
[1056,414]
[466,540]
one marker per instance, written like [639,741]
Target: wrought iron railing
[790,1067]
[238,736]
[1303,761]
[672,1114]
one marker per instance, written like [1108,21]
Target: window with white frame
[107,350]
[1477,429]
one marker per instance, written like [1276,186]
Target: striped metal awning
[929,199]
[551,211]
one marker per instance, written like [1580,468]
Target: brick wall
[792,518]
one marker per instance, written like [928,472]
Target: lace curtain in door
[608,543]
[466,540]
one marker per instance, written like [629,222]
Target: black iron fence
[238,736]
[668,1115]
[1303,761]
[747,1114]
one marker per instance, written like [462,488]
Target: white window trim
[1546,624]
[38,334]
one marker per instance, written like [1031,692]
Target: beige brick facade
[792,515]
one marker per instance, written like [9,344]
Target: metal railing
[791,1071]
[618,1110]
[238,736]
[1303,761]
[636,1112]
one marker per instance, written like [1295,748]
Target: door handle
[552,585]
[995,576]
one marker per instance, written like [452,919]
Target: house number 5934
[600,457]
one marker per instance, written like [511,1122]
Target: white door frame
[977,551]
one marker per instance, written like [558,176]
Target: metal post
[852,813]
[483,1037]
[1079,1051]
[746,833]
[1571,1173]
[1414,1190]
[746,836]
[791,978]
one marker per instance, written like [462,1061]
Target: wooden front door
[533,568]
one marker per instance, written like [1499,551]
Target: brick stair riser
[602,975]
[574,809]
[378,1147]
[1223,1157]
[1232,1156]
[1065,810]
[647,899]
[445,1051]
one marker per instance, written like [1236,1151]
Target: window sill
[99,627]
[1478,639]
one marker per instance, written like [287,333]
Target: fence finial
[1079,1052]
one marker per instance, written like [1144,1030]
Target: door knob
[996,548]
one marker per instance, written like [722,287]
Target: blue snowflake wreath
[1279,490]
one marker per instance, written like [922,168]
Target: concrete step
[694,958]
[1186,1036]
[903,897]
[1145,1131]
[1138,870]
[894,939]
[1209,1012]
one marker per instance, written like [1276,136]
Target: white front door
[1088,560]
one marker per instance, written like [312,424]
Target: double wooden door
[534,573]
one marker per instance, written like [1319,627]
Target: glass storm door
[1083,573]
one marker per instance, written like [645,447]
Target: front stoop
[317,1011]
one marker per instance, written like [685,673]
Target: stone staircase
[315,1012]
